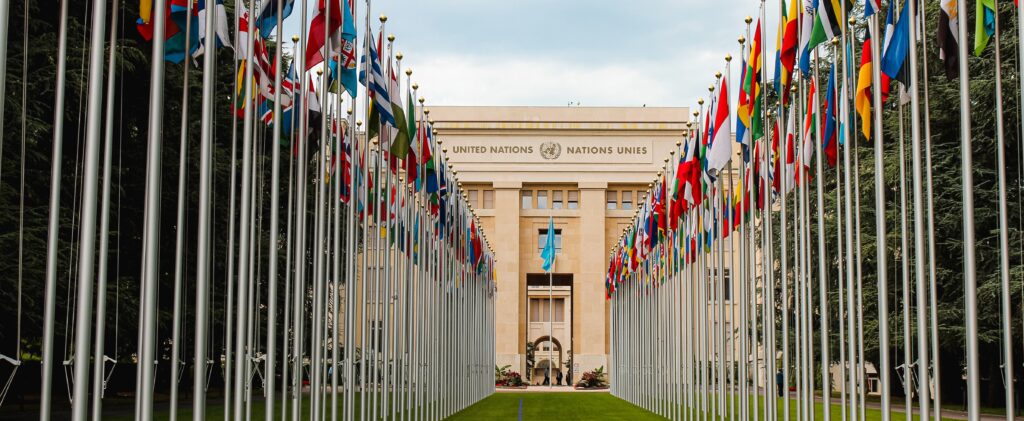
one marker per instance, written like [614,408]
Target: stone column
[509,305]
[588,284]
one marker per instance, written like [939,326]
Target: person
[547,379]
[558,378]
[778,381]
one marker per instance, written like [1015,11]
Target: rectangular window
[542,199]
[535,310]
[474,195]
[574,199]
[527,199]
[488,199]
[556,199]
[542,239]
[612,199]
[627,199]
[559,309]
[713,285]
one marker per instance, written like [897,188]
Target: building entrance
[549,319]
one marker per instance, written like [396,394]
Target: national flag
[242,31]
[320,23]
[984,24]
[267,18]
[377,86]
[806,28]
[948,35]
[347,52]
[399,131]
[790,153]
[222,39]
[828,137]
[720,151]
[752,84]
[897,44]
[787,52]
[872,6]
[864,99]
[827,24]
[743,110]
[176,46]
[809,126]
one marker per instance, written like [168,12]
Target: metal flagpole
[241,352]
[203,242]
[1004,252]
[272,242]
[783,241]
[99,355]
[822,271]
[151,234]
[179,229]
[905,266]
[880,244]
[350,265]
[4,25]
[53,220]
[850,386]
[929,203]
[970,283]
[919,257]
[83,312]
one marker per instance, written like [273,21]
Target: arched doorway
[548,352]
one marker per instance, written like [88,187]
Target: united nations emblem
[550,150]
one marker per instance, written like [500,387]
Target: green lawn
[554,406]
[590,406]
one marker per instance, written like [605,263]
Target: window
[542,199]
[527,199]
[541,311]
[542,239]
[627,199]
[473,196]
[612,199]
[556,199]
[574,199]
[488,199]
[713,285]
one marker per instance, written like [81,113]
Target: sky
[557,52]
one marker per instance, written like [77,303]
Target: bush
[593,379]
[507,378]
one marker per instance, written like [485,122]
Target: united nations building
[587,167]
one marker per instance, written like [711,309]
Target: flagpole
[90,171]
[966,168]
[822,272]
[851,381]
[933,307]
[904,266]
[1004,253]
[53,219]
[100,359]
[881,255]
[203,241]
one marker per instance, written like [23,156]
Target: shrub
[505,377]
[593,379]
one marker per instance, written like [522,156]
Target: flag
[412,158]
[806,28]
[181,19]
[743,110]
[222,39]
[321,22]
[826,22]
[377,86]
[871,7]
[787,54]
[828,137]
[752,84]
[399,131]
[267,18]
[548,254]
[809,126]
[863,100]
[790,153]
[897,44]
[347,52]
[720,151]
[947,33]
[984,24]
[242,31]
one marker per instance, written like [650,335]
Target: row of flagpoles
[713,284]
[387,281]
